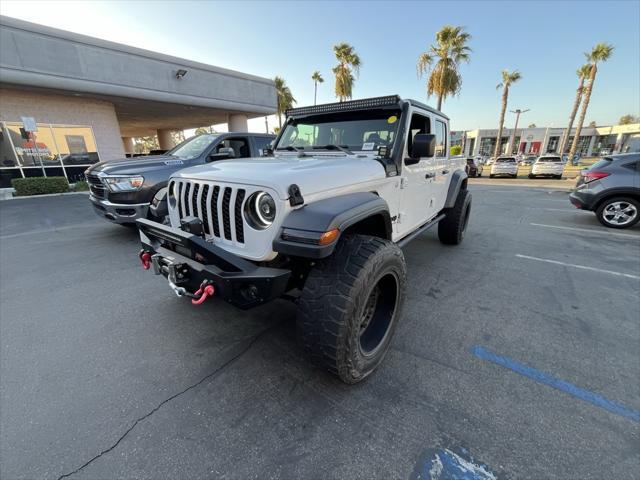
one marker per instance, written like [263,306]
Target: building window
[58,150]
[552,146]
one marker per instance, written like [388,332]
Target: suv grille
[96,186]
[219,208]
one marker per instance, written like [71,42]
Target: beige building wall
[69,110]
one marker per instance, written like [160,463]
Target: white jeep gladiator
[320,221]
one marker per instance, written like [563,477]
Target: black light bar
[364,104]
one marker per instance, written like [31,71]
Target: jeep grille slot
[218,206]
[225,213]
[238,215]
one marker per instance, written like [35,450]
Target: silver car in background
[507,166]
[548,166]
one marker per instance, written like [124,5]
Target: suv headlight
[124,183]
[260,210]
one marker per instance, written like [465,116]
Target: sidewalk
[565,184]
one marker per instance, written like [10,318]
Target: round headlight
[260,210]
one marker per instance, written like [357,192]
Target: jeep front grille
[218,206]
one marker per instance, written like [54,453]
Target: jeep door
[418,188]
[444,169]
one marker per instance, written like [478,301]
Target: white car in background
[548,166]
[504,166]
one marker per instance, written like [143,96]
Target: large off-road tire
[619,212]
[451,229]
[350,306]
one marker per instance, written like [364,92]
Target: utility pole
[513,135]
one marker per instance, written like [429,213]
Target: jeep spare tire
[350,306]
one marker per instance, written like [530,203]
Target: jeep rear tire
[452,227]
[350,306]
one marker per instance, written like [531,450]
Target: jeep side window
[240,146]
[419,124]
[441,139]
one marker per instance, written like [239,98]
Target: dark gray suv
[611,189]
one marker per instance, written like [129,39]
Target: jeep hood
[312,174]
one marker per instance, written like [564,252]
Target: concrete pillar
[592,144]
[127,143]
[165,141]
[238,123]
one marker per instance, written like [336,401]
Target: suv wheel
[619,212]
[350,305]
[452,227]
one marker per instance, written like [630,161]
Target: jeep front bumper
[188,261]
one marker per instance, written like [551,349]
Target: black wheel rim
[377,314]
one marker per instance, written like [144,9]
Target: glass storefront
[58,150]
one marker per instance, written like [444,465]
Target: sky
[544,40]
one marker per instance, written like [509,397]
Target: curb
[45,195]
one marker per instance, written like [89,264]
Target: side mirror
[424,145]
[222,154]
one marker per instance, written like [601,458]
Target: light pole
[513,136]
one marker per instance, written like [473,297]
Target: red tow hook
[204,292]
[145,259]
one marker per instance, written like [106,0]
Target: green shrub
[81,186]
[39,185]
[455,150]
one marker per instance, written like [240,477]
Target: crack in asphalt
[218,370]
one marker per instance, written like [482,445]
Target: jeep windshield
[192,147]
[353,131]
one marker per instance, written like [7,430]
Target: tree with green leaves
[203,130]
[317,78]
[348,64]
[628,119]
[600,53]
[284,98]
[508,79]
[583,74]
[442,62]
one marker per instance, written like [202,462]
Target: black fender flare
[302,228]
[457,180]
[158,205]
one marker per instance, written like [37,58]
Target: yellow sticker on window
[392,119]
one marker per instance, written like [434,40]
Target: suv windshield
[193,147]
[506,160]
[356,131]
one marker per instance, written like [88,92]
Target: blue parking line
[550,380]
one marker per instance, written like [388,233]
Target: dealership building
[91,97]
[593,140]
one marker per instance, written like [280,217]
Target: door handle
[444,172]
[429,175]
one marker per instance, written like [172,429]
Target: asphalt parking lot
[519,350]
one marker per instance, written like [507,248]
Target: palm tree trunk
[315,92]
[439,103]
[505,96]
[583,112]
[572,117]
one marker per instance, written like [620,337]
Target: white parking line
[582,267]
[589,230]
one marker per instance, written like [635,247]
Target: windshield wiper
[342,148]
[291,148]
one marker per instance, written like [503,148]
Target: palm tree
[348,64]
[508,78]
[450,49]
[600,53]
[284,97]
[317,78]
[583,73]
